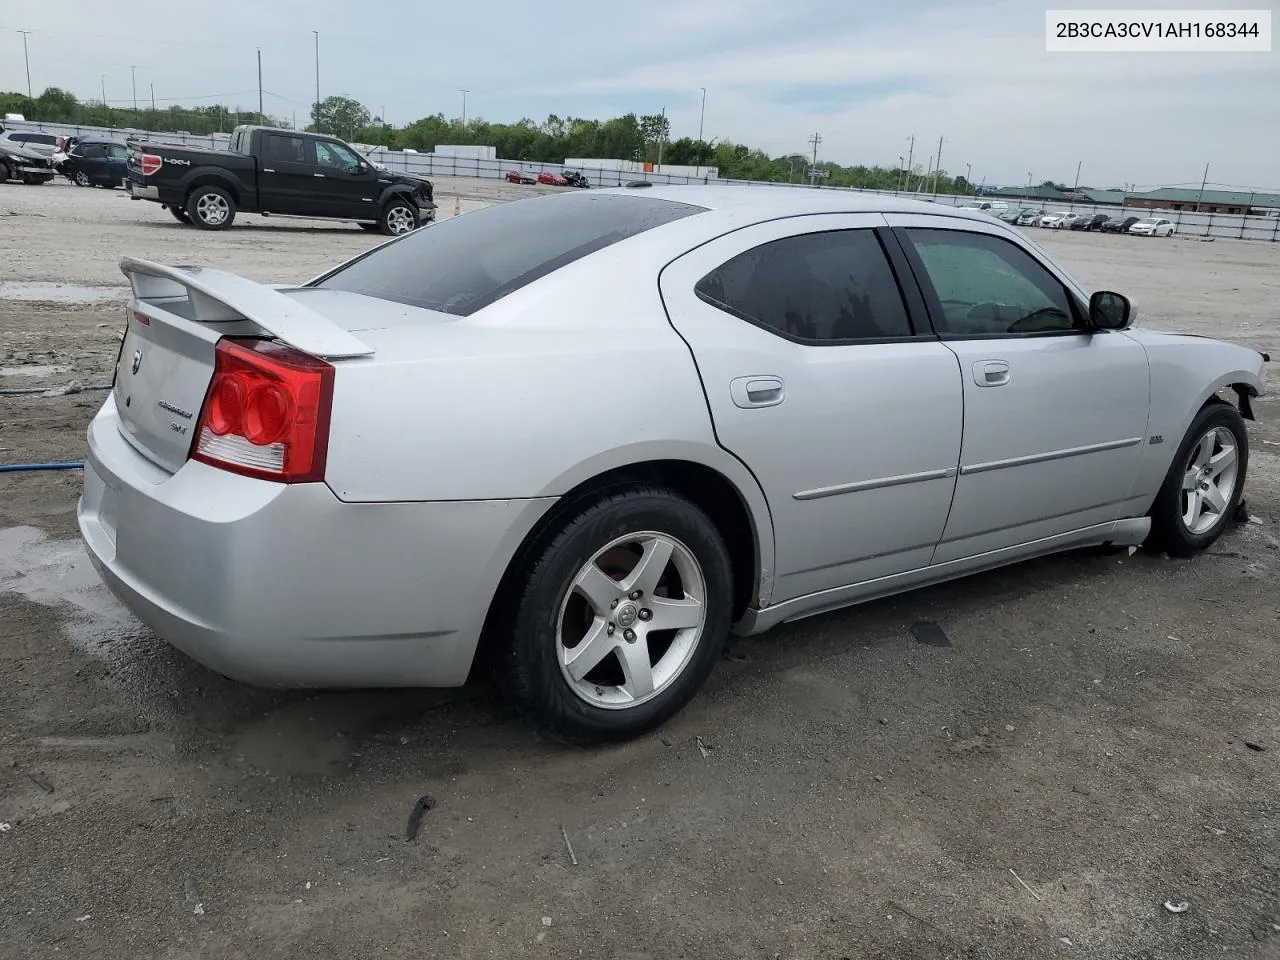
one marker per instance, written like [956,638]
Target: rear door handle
[758,391]
[991,373]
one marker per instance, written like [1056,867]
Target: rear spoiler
[217,297]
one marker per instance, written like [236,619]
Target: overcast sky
[775,72]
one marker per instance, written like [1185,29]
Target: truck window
[278,148]
[336,157]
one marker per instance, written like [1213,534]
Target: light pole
[27,59]
[103,79]
[133,73]
[968,176]
[703,114]
[317,115]
[464,107]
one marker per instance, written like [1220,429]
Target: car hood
[22,153]
[396,176]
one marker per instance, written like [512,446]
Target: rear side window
[42,138]
[465,263]
[281,149]
[829,287]
[92,151]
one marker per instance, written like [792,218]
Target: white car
[1053,220]
[1153,227]
[576,438]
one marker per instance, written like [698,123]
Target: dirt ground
[1079,755]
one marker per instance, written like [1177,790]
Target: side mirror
[1110,311]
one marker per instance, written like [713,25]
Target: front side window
[988,286]
[828,287]
[336,157]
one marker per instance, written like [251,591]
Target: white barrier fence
[1187,223]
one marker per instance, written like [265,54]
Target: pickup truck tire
[371,227]
[180,214]
[211,208]
[398,216]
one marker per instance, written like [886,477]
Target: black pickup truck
[280,173]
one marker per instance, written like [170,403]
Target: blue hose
[19,467]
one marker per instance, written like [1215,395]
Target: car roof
[770,202]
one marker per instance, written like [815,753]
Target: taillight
[151,163]
[266,413]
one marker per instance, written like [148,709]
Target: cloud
[865,77]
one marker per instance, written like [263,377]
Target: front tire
[620,619]
[398,217]
[82,179]
[211,208]
[1204,484]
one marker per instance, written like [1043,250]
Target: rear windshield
[465,263]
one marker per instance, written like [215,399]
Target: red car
[552,179]
[515,176]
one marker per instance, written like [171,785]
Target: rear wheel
[622,616]
[211,208]
[398,217]
[1204,484]
[180,214]
[82,179]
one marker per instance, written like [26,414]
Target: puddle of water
[59,292]
[57,573]
[32,370]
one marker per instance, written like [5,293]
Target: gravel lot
[860,795]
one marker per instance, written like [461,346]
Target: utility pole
[27,59]
[133,72]
[898,183]
[662,133]
[1028,185]
[911,150]
[317,114]
[1202,186]
[261,115]
[153,98]
[464,107]
[703,115]
[814,142]
[1077,183]
[968,176]
[937,167]
[103,78]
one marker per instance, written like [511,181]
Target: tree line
[645,138]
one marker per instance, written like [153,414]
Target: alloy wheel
[212,209]
[1209,480]
[631,620]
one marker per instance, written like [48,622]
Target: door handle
[758,391]
[267,170]
[317,174]
[991,373]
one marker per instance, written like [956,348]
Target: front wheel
[398,217]
[211,208]
[1204,484]
[622,616]
[82,179]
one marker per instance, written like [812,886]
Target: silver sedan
[578,439]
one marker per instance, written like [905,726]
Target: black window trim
[933,303]
[913,308]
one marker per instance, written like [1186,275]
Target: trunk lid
[166,361]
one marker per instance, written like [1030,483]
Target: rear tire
[398,218]
[180,214]
[1204,485]
[582,651]
[81,179]
[211,208]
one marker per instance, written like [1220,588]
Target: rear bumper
[139,192]
[285,585]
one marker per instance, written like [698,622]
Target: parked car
[260,494]
[1053,220]
[1153,227]
[100,163]
[1009,216]
[33,141]
[1029,217]
[515,176]
[1087,223]
[1118,225]
[18,161]
[552,179]
[575,179]
[277,173]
